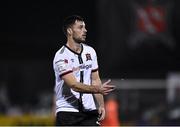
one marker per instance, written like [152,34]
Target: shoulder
[89,48]
[61,53]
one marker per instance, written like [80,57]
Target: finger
[102,116]
[107,82]
[109,87]
[108,91]
[99,111]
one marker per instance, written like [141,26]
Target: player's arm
[99,97]
[71,81]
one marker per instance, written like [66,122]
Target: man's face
[79,31]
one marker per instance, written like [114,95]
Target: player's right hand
[106,87]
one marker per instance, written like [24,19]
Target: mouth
[84,35]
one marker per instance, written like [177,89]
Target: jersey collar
[74,51]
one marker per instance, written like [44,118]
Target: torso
[82,65]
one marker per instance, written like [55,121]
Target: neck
[76,47]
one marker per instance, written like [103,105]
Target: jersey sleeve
[62,65]
[95,62]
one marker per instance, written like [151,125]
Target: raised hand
[106,87]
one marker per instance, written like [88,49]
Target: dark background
[30,41]
[32,34]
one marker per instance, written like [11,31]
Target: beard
[79,40]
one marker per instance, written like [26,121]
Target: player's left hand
[102,113]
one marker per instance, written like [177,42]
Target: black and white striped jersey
[81,65]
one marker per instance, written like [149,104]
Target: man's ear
[69,31]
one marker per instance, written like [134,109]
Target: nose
[85,30]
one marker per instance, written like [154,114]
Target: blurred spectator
[4,100]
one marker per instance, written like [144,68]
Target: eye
[81,26]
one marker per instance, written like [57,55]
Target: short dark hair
[70,20]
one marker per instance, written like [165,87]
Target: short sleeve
[95,62]
[62,66]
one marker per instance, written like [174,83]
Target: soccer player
[77,79]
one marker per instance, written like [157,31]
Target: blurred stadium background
[137,42]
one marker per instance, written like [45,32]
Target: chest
[82,62]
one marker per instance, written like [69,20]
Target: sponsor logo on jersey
[72,60]
[82,67]
[76,69]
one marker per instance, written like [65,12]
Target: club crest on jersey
[65,61]
[88,57]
